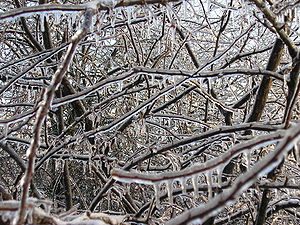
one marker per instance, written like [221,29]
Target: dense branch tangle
[148,109]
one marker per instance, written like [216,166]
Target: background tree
[149,112]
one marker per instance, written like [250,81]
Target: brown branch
[266,83]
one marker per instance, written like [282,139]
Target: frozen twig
[279,27]
[222,160]
[202,213]
[53,8]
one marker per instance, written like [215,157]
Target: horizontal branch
[54,8]
[198,168]
[142,70]
[213,132]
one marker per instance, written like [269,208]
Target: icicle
[113,16]
[152,80]
[228,218]
[184,6]
[5,130]
[156,187]
[284,82]
[281,18]
[22,181]
[129,12]
[208,3]
[219,176]
[73,20]
[247,156]
[148,30]
[28,96]
[120,86]
[150,16]
[174,78]
[84,167]
[133,13]
[172,36]
[160,84]
[195,185]
[209,183]
[169,11]
[155,22]
[297,152]
[29,216]
[165,82]
[57,16]
[169,187]
[90,162]
[183,185]
[42,19]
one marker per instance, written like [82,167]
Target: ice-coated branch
[45,8]
[42,111]
[279,27]
[161,72]
[223,53]
[267,164]
[153,72]
[210,133]
[181,117]
[43,59]
[221,161]
[40,215]
[54,8]
[31,57]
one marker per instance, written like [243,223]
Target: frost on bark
[149,112]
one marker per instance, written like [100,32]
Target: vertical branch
[43,109]
[265,85]
[293,91]
[257,111]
